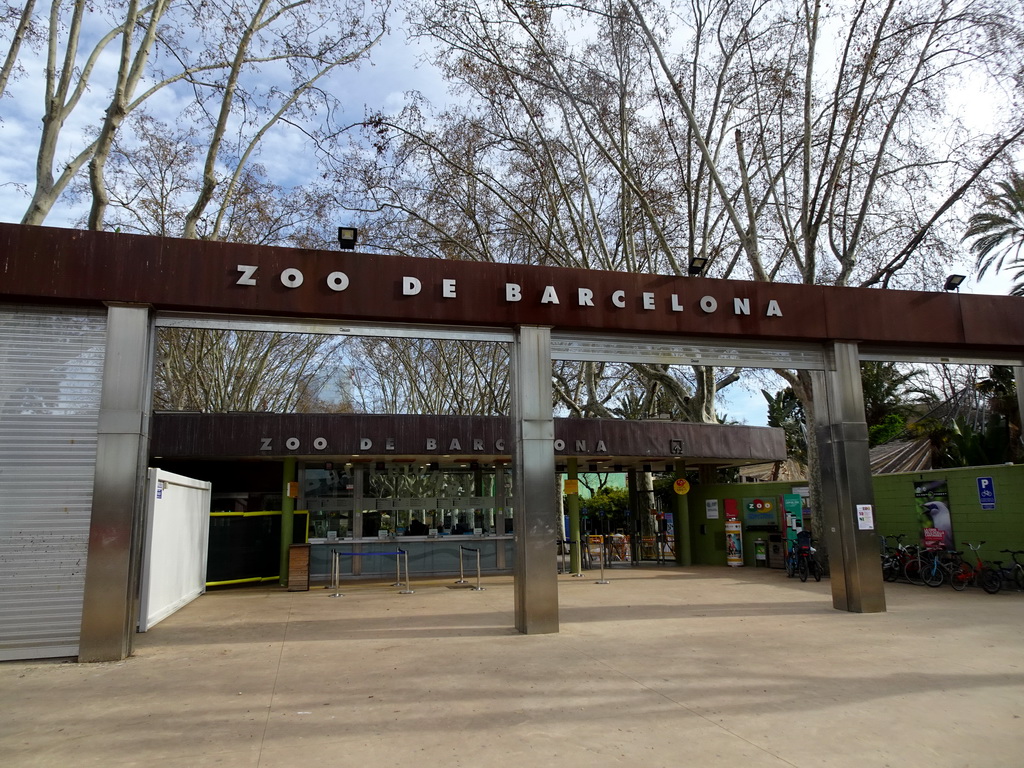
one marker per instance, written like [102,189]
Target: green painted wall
[895,510]
[1000,528]
[708,536]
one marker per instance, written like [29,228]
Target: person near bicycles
[806,564]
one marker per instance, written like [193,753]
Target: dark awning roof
[454,439]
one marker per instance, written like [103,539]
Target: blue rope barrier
[336,569]
[365,554]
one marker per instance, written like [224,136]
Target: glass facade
[437,514]
[384,500]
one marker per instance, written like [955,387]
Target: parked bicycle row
[802,560]
[935,567]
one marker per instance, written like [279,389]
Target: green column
[682,524]
[572,503]
[287,517]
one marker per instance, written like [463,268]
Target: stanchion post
[408,587]
[398,568]
[462,577]
[336,573]
[478,588]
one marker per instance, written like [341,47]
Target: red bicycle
[962,573]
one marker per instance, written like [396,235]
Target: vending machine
[792,504]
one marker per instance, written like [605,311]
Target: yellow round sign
[681,486]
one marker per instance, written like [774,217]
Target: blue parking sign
[986,493]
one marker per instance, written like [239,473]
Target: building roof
[598,444]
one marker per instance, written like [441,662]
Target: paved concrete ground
[662,667]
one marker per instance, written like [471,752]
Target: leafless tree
[218,371]
[215,56]
[396,375]
[19,20]
[816,143]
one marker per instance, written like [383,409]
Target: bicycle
[791,561]
[890,560]
[807,564]
[900,560]
[962,573]
[1011,573]
[933,565]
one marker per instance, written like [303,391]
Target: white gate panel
[177,540]
[51,370]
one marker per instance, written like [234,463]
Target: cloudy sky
[396,67]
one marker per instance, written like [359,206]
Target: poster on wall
[711,509]
[732,509]
[734,543]
[931,498]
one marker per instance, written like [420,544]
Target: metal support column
[1018,377]
[287,517]
[109,611]
[535,511]
[684,551]
[842,435]
[572,505]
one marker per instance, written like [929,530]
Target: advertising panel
[760,511]
[793,504]
[932,501]
[734,543]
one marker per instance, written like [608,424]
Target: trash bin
[776,551]
[760,553]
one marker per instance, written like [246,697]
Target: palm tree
[998,232]
[891,396]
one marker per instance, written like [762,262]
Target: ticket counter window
[328,523]
[375,500]
[328,490]
[319,482]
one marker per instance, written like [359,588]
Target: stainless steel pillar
[1018,376]
[534,507]
[115,533]
[842,435]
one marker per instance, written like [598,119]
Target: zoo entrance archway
[542,312]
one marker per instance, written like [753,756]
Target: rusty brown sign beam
[48,265]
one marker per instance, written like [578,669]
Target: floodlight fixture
[347,237]
[953,282]
[697,264]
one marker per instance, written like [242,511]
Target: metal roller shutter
[51,371]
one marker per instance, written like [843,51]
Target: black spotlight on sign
[953,282]
[347,237]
